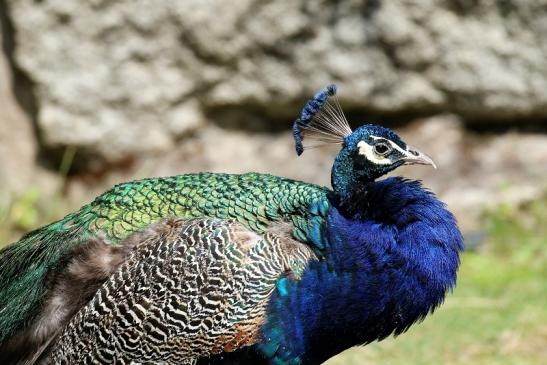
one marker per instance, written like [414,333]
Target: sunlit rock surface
[125,77]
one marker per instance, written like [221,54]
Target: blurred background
[97,92]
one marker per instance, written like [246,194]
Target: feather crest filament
[321,120]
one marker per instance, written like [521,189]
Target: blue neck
[343,175]
[386,267]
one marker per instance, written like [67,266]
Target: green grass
[27,212]
[498,312]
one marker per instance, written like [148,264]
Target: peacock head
[367,153]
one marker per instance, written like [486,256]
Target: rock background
[19,167]
[141,88]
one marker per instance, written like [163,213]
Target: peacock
[213,268]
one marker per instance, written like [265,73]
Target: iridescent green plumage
[252,199]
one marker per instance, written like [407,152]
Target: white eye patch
[393,145]
[368,151]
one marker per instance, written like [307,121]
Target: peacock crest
[321,120]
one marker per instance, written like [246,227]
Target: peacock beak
[414,157]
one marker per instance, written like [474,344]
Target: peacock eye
[381,148]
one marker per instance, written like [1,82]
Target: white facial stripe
[393,144]
[367,151]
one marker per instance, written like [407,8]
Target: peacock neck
[343,176]
[386,266]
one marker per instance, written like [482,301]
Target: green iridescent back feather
[252,199]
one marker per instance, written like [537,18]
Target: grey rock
[478,171]
[129,77]
[19,147]
[17,144]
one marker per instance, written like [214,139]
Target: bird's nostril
[413,152]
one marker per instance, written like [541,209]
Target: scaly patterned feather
[191,289]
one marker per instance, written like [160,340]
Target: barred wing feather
[190,289]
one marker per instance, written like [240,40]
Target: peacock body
[245,269]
